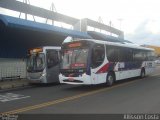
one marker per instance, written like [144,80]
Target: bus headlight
[43,74]
[84,74]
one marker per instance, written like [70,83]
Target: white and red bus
[96,61]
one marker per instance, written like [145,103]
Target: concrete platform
[9,84]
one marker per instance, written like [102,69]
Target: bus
[43,64]
[95,61]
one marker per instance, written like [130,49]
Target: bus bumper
[84,79]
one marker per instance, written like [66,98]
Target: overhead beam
[37,11]
[84,23]
[103,27]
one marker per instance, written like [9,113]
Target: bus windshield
[36,62]
[74,58]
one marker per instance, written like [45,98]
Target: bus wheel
[110,79]
[142,73]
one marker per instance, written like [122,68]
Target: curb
[13,84]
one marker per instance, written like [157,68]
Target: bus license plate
[71,79]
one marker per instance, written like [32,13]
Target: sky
[139,19]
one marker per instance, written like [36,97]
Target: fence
[12,69]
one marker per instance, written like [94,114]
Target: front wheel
[110,79]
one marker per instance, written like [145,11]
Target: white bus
[96,61]
[43,64]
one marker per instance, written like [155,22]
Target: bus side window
[98,55]
[112,53]
[151,55]
[138,55]
[125,54]
[52,58]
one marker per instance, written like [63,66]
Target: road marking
[11,96]
[54,102]
[155,75]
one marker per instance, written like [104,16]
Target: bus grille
[72,74]
[76,81]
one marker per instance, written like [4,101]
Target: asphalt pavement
[127,96]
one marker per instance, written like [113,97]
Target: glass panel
[35,63]
[52,58]
[98,55]
[74,58]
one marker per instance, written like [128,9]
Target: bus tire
[110,79]
[142,75]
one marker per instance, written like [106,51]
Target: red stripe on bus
[103,69]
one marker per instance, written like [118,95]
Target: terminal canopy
[19,35]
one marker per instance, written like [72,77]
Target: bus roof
[52,47]
[49,47]
[124,44]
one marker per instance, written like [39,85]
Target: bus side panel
[149,67]
[52,74]
[99,73]
[126,70]
[129,74]
[52,59]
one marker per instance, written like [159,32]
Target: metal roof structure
[37,11]
[104,37]
[41,27]
[84,23]
[18,35]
